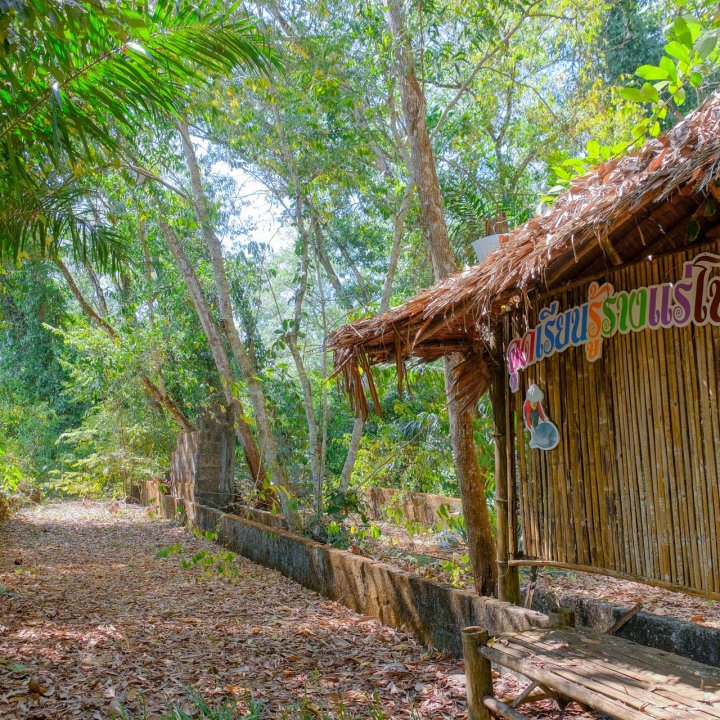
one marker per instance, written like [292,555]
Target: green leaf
[696,79]
[650,92]
[593,148]
[651,72]
[679,97]
[678,51]
[706,44]
[686,29]
[138,49]
[668,65]
[633,95]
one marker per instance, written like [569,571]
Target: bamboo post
[501,710]
[512,576]
[478,673]
[499,407]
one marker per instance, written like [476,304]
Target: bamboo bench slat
[617,649]
[612,675]
[697,687]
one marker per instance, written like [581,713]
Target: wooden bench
[620,678]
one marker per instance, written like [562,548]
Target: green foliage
[340,504]
[10,474]
[631,36]
[223,564]
[687,71]
[168,551]
[458,572]
[197,707]
[91,167]
[454,522]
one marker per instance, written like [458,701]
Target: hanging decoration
[544,434]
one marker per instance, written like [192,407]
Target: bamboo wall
[634,486]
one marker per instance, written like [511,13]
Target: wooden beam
[609,249]
[539,562]
[629,615]
[523,696]
[512,578]
[478,672]
[499,408]
[501,710]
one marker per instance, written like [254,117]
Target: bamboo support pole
[512,578]
[501,710]
[499,408]
[478,672]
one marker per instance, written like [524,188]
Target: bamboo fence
[633,488]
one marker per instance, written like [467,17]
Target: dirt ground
[92,621]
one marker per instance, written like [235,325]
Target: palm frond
[79,79]
[39,223]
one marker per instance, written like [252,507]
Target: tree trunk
[291,338]
[398,232]
[150,295]
[222,362]
[97,287]
[472,483]
[247,368]
[352,453]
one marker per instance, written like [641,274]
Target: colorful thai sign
[694,299]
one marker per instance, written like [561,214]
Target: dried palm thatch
[651,202]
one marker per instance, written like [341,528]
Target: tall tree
[424,172]
[243,358]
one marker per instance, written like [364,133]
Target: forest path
[92,615]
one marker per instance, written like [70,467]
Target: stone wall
[262,517]
[215,469]
[421,507]
[435,614]
[202,466]
[183,460]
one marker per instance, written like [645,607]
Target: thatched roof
[648,202]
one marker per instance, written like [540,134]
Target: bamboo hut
[600,316]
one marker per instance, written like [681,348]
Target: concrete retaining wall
[149,492]
[262,517]
[435,614]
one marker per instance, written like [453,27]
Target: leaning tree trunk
[471,480]
[222,362]
[291,337]
[245,362]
